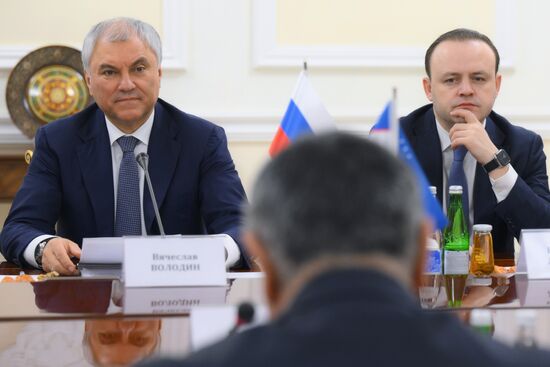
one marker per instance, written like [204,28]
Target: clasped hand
[473,136]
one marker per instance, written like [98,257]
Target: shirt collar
[142,133]
[443,136]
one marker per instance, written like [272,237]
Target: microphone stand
[143,160]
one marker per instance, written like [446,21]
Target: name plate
[534,255]
[178,261]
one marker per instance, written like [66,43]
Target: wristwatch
[39,251]
[501,159]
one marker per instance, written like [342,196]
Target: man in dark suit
[84,181]
[505,165]
[337,224]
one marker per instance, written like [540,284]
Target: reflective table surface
[91,322]
[76,321]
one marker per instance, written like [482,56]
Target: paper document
[110,250]
[102,250]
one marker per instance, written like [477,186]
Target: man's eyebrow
[450,73]
[480,73]
[141,60]
[106,66]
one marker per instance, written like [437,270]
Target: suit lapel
[163,158]
[484,197]
[94,155]
[426,145]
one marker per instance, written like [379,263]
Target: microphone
[143,161]
[245,315]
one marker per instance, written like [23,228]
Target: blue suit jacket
[70,181]
[359,318]
[527,205]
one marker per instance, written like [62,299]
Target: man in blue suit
[505,166]
[337,225]
[84,180]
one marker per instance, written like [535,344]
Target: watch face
[502,157]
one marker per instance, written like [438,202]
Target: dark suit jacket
[360,318]
[527,205]
[70,181]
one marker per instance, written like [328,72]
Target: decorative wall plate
[46,85]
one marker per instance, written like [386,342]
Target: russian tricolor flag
[305,115]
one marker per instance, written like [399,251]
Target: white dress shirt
[142,134]
[501,186]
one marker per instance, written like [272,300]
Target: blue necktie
[128,208]
[458,177]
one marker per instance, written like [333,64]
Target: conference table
[78,321]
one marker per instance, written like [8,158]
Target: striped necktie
[128,208]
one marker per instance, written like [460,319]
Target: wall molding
[268,54]
[175,46]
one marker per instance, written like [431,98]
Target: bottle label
[456,262]
[433,262]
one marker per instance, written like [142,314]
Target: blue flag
[383,128]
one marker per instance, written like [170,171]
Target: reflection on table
[110,342]
[75,321]
[92,342]
[442,291]
[75,297]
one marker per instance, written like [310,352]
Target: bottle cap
[455,189]
[484,228]
[433,190]
[480,317]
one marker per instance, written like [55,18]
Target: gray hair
[335,196]
[119,30]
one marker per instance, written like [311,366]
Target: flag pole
[394,123]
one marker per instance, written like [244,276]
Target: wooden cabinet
[12,171]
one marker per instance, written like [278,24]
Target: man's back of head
[335,200]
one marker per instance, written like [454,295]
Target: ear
[426,229]
[427,84]
[160,77]
[88,81]
[257,250]
[498,80]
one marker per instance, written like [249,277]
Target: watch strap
[491,165]
[39,250]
